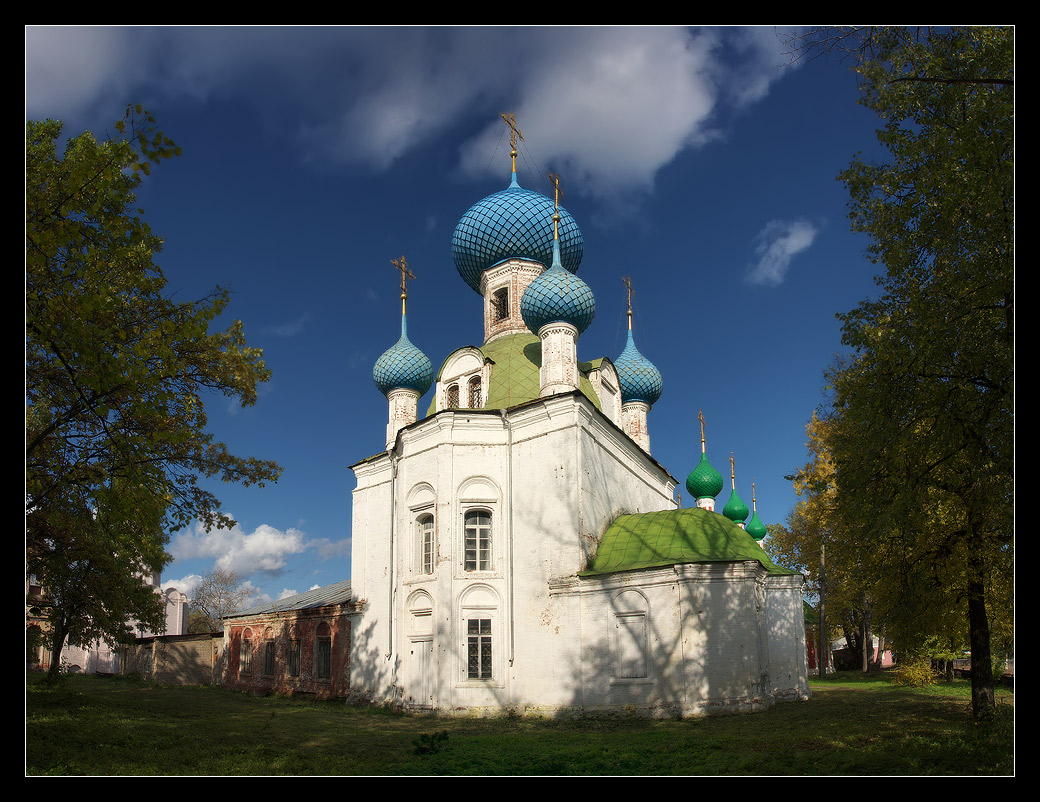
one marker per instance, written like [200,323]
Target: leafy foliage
[922,426]
[115,378]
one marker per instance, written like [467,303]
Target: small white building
[518,547]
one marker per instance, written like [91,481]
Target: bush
[915,673]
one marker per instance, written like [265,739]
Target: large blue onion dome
[515,222]
[704,481]
[640,380]
[403,366]
[735,509]
[557,296]
[756,528]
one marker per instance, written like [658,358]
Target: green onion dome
[557,296]
[513,223]
[640,380]
[403,366]
[755,527]
[735,509]
[704,481]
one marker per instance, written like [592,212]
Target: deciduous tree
[923,411]
[219,594]
[116,375]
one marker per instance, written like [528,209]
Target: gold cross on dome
[514,135]
[628,286]
[406,274]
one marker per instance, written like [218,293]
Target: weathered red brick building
[300,644]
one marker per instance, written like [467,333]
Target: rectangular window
[426,544]
[631,641]
[478,648]
[294,658]
[245,660]
[478,542]
[269,657]
[323,658]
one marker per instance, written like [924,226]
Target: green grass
[852,725]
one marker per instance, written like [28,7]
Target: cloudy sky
[700,162]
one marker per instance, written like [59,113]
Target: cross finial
[754,506]
[406,274]
[628,285]
[554,179]
[514,135]
[700,417]
[732,471]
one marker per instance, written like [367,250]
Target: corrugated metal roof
[336,593]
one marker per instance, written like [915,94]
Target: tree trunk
[983,702]
[57,643]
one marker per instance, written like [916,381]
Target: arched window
[476,396]
[245,653]
[269,651]
[500,305]
[323,651]
[477,546]
[427,543]
[294,652]
[451,397]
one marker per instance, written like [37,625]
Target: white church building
[517,548]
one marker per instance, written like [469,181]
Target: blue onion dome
[403,366]
[640,380]
[515,222]
[756,528]
[557,296]
[735,509]
[704,481]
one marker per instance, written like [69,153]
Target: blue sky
[700,162]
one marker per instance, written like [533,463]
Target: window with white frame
[631,645]
[478,648]
[477,541]
[631,637]
[427,544]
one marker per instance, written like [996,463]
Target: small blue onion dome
[735,509]
[403,366]
[557,296]
[704,481]
[515,222]
[640,380]
[756,528]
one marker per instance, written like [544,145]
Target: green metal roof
[674,537]
[516,360]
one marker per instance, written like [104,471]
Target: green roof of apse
[516,360]
[674,537]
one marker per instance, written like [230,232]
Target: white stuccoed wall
[554,474]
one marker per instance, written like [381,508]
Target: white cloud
[778,243]
[186,584]
[607,106]
[264,549]
[286,593]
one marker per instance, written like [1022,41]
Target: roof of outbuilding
[336,593]
[673,537]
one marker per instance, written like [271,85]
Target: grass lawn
[852,725]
